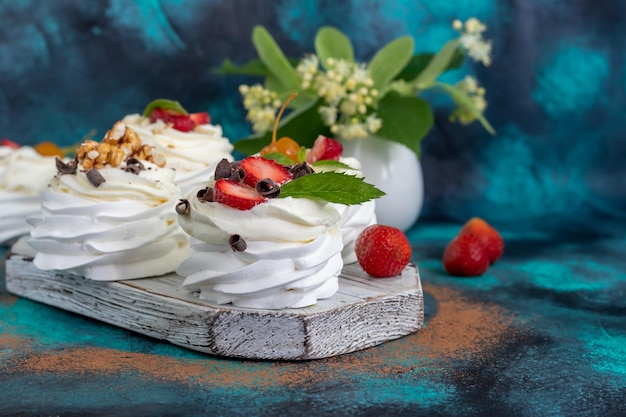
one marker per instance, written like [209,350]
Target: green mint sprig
[333,187]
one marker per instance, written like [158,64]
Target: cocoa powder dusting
[460,329]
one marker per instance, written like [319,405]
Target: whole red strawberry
[465,256]
[382,251]
[486,235]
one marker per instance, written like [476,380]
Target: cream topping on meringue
[123,229]
[192,154]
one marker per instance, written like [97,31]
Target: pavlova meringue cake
[267,234]
[24,174]
[109,214]
[189,142]
[326,155]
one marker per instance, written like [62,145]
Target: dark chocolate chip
[237,244]
[223,169]
[66,167]
[134,165]
[300,170]
[183,206]
[267,187]
[95,177]
[205,195]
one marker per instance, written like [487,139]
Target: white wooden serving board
[365,312]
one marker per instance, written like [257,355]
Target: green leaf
[390,60]
[302,154]
[165,104]
[331,43]
[419,62]
[256,67]
[437,65]
[274,58]
[332,187]
[331,164]
[279,157]
[462,99]
[302,125]
[406,120]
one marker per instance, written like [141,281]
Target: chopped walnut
[119,144]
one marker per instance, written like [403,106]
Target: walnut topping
[119,144]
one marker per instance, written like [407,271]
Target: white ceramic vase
[393,168]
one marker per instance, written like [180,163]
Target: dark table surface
[542,333]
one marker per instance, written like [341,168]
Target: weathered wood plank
[364,313]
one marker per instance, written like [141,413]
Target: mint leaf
[331,164]
[274,58]
[332,187]
[163,103]
[406,120]
[331,43]
[437,65]
[279,157]
[302,154]
[390,60]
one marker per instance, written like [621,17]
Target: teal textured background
[541,333]
[555,89]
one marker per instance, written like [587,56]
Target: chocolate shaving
[134,165]
[223,169]
[205,195]
[300,170]
[66,167]
[267,187]
[237,175]
[95,177]
[183,206]
[237,244]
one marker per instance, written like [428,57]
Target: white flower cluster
[261,104]
[348,93]
[472,40]
[470,86]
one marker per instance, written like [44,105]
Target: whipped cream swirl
[125,228]
[354,218]
[24,174]
[293,255]
[193,154]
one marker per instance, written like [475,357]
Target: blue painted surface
[541,333]
[553,180]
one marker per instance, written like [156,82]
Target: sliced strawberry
[324,148]
[465,256]
[258,168]
[162,114]
[201,118]
[183,123]
[9,143]
[179,121]
[236,195]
